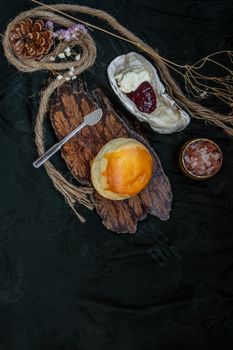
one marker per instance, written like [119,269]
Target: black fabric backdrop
[64,285]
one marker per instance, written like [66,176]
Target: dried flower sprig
[67,54]
[66,34]
[49,25]
[70,33]
[202,85]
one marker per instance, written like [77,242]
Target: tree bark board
[69,104]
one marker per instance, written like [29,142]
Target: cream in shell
[126,73]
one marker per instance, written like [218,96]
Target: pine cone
[31,39]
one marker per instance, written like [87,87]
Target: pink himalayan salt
[202,158]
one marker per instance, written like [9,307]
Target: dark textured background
[64,285]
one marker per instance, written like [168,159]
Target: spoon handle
[71,134]
[51,151]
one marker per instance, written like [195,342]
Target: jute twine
[77,194]
[71,192]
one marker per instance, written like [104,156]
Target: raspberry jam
[144,98]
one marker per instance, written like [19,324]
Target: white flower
[74,77]
[59,77]
[72,69]
[203,94]
[67,51]
[61,55]
[52,58]
[67,78]
[71,73]
[77,57]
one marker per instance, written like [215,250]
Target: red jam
[144,98]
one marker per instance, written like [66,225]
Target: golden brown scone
[121,169]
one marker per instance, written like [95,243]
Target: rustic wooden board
[68,106]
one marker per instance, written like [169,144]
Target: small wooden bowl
[186,171]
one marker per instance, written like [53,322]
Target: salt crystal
[216,156]
[205,158]
[205,149]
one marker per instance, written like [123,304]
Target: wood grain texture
[69,105]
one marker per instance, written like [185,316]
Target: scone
[121,169]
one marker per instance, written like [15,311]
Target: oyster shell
[168,117]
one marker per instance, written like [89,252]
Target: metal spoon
[90,119]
